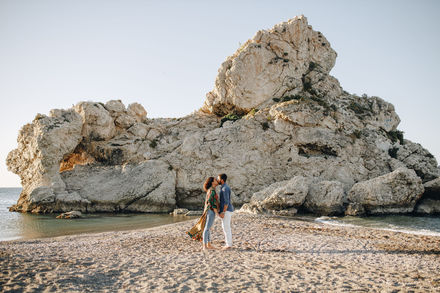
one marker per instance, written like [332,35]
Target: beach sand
[270,255]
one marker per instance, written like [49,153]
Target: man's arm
[227,197]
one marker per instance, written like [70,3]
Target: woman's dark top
[212,202]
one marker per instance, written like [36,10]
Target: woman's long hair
[208,183]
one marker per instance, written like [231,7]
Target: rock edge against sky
[282,128]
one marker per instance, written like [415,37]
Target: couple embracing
[215,205]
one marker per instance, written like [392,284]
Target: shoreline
[270,254]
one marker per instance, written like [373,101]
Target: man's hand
[221,215]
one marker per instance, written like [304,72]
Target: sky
[166,54]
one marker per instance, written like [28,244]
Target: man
[225,209]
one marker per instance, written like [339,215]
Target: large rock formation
[274,115]
[395,192]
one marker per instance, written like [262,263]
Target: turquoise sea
[25,226]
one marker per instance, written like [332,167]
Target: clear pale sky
[165,55]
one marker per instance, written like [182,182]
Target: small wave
[390,227]
[330,221]
[423,232]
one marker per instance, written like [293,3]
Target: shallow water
[25,226]
[400,223]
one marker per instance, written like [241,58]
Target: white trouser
[226,224]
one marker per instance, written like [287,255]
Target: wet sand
[270,255]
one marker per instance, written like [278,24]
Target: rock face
[284,195]
[430,202]
[432,189]
[271,64]
[428,206]
[147,187]
[326,198]
[395,192]
[286,120]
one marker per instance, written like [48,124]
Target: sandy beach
[270,255]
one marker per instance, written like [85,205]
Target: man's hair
[223,177]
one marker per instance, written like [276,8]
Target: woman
[200,231]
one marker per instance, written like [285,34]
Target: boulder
[125,121]
[177,212]
[415,157]
[432,189]
[428,206]
[355,209]
[285,213]
[325,198]
[395,192]
[137,111]
[280,196]
[70,215]
[97,121]
[115,107]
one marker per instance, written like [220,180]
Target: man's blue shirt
[225,198]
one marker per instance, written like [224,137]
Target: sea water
[423,225]
[24,226]
[15,225]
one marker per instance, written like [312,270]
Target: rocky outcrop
[428,206]
[415,157]
[432,189]
[70,215]
[430,201]
[285,195]
[326,198]
[396,192]
[272,64]
[274,115]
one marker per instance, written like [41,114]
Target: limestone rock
[125,121]
[42,144]
[415,157]
[355,209]
[396,192]
[138,111]
[139,130]
[428,206]
[325,198]
[271,64]
[143,187]
[115,107]
[299,123]
[98,124]
[194,213]
[281,195]
[177,212]
[285,213]
[432,189]
[70,215]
